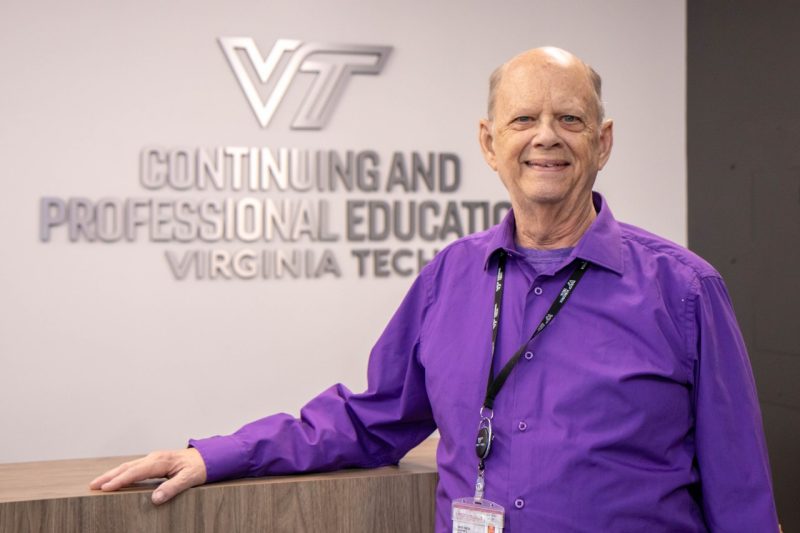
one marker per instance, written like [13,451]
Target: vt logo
[332,64]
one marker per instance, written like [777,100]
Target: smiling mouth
[547,164]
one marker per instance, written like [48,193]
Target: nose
[546,135]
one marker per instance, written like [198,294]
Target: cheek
[589,148]
[509,146]
[505,160]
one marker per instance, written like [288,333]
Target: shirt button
[519,503]
[528,355]
[522,425]
[537,291]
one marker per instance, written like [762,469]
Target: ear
[486,139]
[606,142]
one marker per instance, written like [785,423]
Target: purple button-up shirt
[635,410]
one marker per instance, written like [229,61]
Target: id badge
[477,516]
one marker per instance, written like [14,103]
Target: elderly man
[619,391]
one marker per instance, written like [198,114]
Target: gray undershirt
[542,260]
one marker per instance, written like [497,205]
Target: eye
[522,122]
[572,122]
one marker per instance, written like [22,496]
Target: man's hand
[184,468]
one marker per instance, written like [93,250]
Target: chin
[544,196]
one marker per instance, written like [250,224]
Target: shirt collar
[601,245]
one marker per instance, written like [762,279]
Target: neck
[552,227]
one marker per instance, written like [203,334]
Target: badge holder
[477,515]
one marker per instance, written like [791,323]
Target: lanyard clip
[483,442]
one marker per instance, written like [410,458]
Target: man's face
[545,140]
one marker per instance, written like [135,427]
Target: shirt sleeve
[731,450]
[339,429]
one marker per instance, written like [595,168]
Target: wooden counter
[53,496]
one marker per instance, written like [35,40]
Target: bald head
[547,57]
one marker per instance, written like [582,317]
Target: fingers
[172,487]
[104,478]
[185,468]
[97,482]
[151,466]
[190,473]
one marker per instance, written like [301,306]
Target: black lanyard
[495,384]
[484,440]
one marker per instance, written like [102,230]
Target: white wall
[102,351]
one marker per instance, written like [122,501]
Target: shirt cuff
[225,457]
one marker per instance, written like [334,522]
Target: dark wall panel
[743,120]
